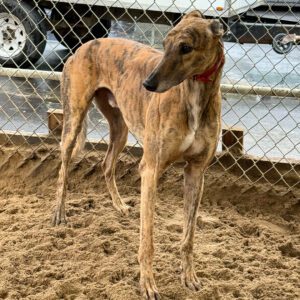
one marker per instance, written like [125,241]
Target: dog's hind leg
[74,113]
[193,189]
[118,137]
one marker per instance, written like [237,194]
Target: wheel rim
[12,36]
[282,48]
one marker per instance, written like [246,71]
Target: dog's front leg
[193,188]
[149,179]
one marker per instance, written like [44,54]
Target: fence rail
[226,88]
[260,85]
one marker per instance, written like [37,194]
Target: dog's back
[118,65]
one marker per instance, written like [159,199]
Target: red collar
[205,76]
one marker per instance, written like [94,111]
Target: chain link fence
[261,93]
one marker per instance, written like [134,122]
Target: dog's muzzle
[151,83]
[150,86]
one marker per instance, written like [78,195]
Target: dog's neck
[206,76]
[214,69]
[200,96]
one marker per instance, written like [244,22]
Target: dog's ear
[194,14]
[216,28]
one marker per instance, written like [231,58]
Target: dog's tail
[80,141]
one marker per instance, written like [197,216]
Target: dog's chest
[202,131]
[193,115]
[193,124]
[194,142]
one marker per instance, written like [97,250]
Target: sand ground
[247,243]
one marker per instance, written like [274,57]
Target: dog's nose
[150,86]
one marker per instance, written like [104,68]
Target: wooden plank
[55,121]
[233,140]
[274,170]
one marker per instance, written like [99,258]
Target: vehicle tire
[77,32]
[280,48]
[22,34]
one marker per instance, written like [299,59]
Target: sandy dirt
[247,242]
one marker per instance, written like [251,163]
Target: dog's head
[190,48]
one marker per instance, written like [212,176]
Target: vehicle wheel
[22,34]
[74,31]
[279,47]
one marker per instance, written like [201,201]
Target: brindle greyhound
[181,120]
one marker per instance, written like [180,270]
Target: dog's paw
[123,209]
[59,218]
[190,280]
[149,289]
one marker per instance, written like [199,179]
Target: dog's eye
[184,49]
